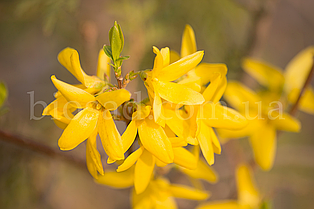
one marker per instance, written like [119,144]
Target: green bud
[122,58]
[143,75]
[116,41]
[107,50]
[266,205]
[3,93]
[133,75]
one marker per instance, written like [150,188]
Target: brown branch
[40,148]
[306,84]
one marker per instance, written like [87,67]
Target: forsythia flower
[95,111]
[159,85]
[95,116]
[60,109]
[248,195]
[264,120]
[197,129]
[160,194]
[155,147]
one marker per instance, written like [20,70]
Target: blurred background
[33,32]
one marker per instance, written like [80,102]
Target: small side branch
[40,148]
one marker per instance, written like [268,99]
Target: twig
[119,80]
[40,148]
[306,84]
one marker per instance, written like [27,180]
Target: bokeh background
[33,32]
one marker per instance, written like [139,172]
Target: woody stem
[40,148]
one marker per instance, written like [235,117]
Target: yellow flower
[69,58]
[195,123]
[248,195]
[160,194]
[263,120]
[291,81]
[155,148]
[159,85]
[95,116]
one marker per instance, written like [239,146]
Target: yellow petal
[208,72]
[110,160]
[215,89]
[158,62]
[69,58]
[165,52]
[181,191]
[178,142]
[223,204]
[216,143]
[192,83]
[110,137]
[130,160]
[179,68]
[159,163]
[103,68]
[190,115]
[93,159]
[285,122]
[77,96]
[174,56]
[80,128]
[143,171]
[205,142]
[60,109]
[231,134]
[220,90]
[236,94]
[248,194]
[264,143]
[203,171]
[176,123]
[113,99]
[265,73]
[216,115]
[61,124]
[156,141]
[307,99]
[141,112]
[117,180]
[157,107]
[129,135]
[178,94]
[143,200]
[167,202]
[298,69]
[188,45]
[169,132]
[184,158]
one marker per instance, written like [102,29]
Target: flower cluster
[176,123]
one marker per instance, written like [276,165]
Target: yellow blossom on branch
[248,194]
